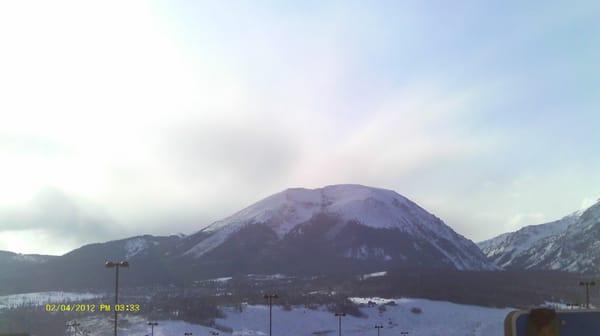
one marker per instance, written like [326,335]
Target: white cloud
[523,219]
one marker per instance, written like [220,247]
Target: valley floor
[416,316]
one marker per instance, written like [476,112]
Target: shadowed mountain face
[570,244]
[336,229]
[12,262]
[84,267]
[15,267]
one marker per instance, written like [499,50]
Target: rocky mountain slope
[571,244]
[505,248]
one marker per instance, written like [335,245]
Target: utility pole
[587,285]
[152,325]
[378,327]
[339,316]
[270,298]
[116,266]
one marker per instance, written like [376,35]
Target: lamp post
[339,316]
[152,325]
[587,285]
[378,327]
[269,298]
[116,266]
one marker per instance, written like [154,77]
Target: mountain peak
[371,206]
[342,206]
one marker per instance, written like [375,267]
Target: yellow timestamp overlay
[92,308]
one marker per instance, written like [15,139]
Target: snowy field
[416,316]
[135,325]
[41,298]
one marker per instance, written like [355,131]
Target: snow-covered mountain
[341,229]
[346,222]
[503,249]
[570,244]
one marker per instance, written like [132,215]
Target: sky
[120,118]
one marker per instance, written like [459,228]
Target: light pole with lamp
[116,266]
[152,325]
[339,316]
[270,298]
[587,285]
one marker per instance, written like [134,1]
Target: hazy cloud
[178,114]
[61,219]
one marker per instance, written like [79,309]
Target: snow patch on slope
[135,246]
[30,258]
[41,298]
[364,253]
[373,275]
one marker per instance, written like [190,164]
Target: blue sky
[161,117]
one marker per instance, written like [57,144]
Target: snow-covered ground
[436,318]
[135,325]
[41,298]
[416,316]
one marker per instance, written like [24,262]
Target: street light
[152,325]
[378,327]
[339,316]
[116,266]
[270,298]
[587,285]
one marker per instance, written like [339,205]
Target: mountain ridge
[340,229]
[569,244]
